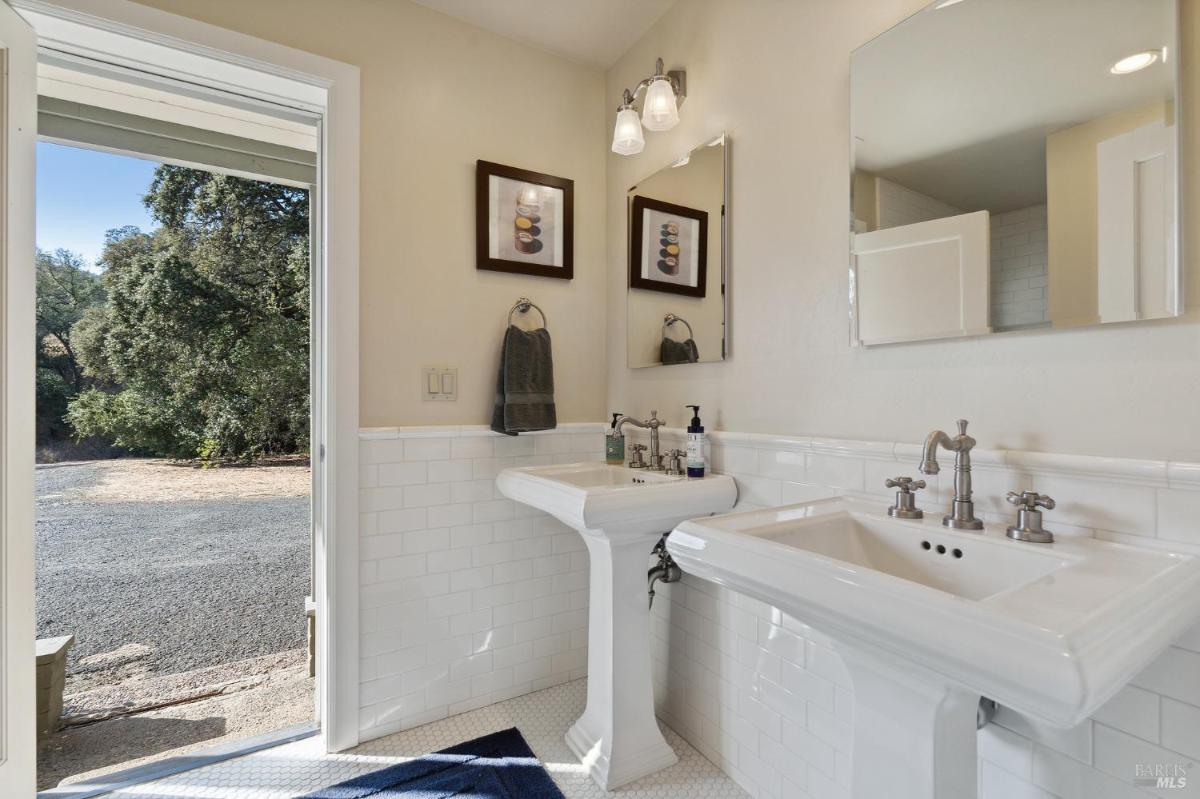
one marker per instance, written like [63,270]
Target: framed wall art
[668,247]
[524,221]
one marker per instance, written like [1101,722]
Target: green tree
[202,347]
[65,291]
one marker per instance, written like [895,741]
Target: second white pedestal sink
[929,619]
[621,513]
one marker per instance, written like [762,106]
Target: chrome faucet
[652,424]
[962,510]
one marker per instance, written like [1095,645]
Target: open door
[1136,181]
[947,260]
[18,142]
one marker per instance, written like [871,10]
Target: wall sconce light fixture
[664,92]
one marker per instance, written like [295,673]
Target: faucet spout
[929,464]
[962,509]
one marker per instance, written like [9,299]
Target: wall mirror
[677,262]
[1015,166]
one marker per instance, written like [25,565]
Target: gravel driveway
[206,578]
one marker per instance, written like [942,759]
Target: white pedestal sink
[930,619]
[621,513]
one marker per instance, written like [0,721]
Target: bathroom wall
[898,205]
[866,209]
[467,598]
[1019,261]
[761,693]
[438,94]
[775,74]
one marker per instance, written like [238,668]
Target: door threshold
[170,766]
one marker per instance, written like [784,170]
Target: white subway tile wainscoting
[469,599]
[1020,263]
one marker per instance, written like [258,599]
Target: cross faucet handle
[1031,500]
[636,461]
[906,484]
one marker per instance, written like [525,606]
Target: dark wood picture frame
[483,260]
[636,281]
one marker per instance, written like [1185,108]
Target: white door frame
[18,122]
[205,57]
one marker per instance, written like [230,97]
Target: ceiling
[593,32]
[957,102]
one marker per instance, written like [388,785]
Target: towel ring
[523,305]
[671,319]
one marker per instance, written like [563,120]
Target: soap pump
[614,444]
[695,444]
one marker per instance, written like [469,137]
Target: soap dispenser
[614,444]
[695,444]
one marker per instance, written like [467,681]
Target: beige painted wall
[698,184]
[1072,197]
[775,74]
[437,95]
[865,209]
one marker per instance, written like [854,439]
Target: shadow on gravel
[96,746]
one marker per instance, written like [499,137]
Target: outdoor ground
[184,588]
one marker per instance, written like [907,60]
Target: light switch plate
[439,384]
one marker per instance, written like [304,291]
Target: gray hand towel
[525,383]
[679,351]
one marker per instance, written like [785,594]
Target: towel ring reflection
[671,319]
[523,305]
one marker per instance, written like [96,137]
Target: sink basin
[597,475]
[929,619]
[882,545]
[608,500]
[621,513]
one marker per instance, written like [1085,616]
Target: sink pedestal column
[617,737]
[914,735]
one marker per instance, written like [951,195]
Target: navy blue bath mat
[496,766]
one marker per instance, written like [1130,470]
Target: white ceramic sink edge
[1054,648]
[656,503]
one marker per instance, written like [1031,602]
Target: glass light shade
[660,111]
[627,133]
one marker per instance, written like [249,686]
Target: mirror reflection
[1015,167]
[676,265]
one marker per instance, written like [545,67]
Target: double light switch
[439,384]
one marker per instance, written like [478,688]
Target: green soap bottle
[614,444]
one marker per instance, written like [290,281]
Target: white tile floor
[543,718]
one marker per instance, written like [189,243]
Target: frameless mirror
[677,261]
[1015,166]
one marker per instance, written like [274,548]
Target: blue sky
[81,194]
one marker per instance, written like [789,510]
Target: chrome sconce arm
[660,108]
[676,77]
